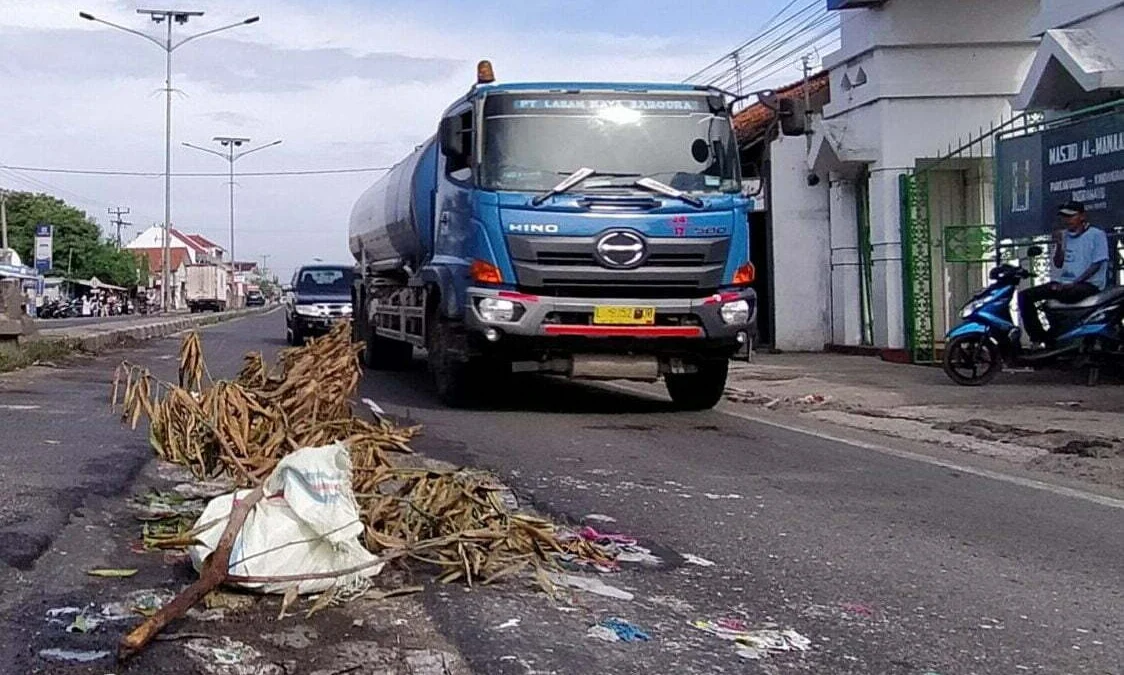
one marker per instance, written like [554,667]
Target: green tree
[79,249]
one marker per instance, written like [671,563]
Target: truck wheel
[700,390]
[453,373]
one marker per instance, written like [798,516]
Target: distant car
[318,298]
[255,299]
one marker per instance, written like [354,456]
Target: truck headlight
[736,312]
[307,310]
[497,310]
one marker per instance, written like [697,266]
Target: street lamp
[167,16]
[231,155]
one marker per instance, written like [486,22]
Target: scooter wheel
[972,360]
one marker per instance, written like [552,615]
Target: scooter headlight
[971,308]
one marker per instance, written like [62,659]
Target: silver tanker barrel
[391,224]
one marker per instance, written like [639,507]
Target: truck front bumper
[680,326]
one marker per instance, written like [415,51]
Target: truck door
[453,209]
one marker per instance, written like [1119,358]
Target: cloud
[221,64]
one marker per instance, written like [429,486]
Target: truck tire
[453,372]
[700,390]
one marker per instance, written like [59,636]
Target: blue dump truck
[588,230]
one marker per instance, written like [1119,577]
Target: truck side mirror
[452,138]
[1034,251]
[752,187]
[794,121]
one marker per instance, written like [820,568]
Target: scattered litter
[692,559]
[638,554]
[600,518]
[51,442]
[293,637]
[203,489]
[857,608]
[755,644]
[84,623]
[591,585]
[623,630]
[112,573]
[79,656]
[206,615]
[11,406]
[145,602]
[590,534]
[510,623]
[375,409]
[56,612]
[231,601]
[711,495]
[813,399]
[224,656]
[603,633]
[1068,404]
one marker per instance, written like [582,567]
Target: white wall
[936,73]
[801,250]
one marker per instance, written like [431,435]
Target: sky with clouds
[344,83]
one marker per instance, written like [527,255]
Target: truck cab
[592,230]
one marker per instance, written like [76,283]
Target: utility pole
[3,220]
[167,16]
[117,213]
[806,62]
[230,146]
[265,264]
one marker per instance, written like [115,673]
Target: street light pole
[231,144]
[167,16]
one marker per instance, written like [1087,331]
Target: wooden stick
[215,572]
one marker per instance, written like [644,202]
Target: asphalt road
[888,565]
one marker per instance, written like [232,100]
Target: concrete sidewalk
[95,337]
[1044,420]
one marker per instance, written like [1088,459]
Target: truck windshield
[532,141]
[324,280]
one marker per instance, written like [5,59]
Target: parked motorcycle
[1089,333]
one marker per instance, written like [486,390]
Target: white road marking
[1061,490]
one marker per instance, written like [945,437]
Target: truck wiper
[665,189]
[568,183]
[574,179]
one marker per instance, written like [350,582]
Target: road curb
[96,339]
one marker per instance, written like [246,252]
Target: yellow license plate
[624,316]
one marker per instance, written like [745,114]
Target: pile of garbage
[289,437]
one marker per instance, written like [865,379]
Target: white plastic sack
[307,523]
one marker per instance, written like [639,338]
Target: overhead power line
[771,27]
[193,174]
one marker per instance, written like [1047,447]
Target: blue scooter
[1088,333]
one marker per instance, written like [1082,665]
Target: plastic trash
[599,632]
[76,655]
[591,585]
[755,644]
[623,630]
[600,518]
[308,524]
[692,559]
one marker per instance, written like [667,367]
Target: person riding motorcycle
[1081,252]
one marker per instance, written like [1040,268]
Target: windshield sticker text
[600,104]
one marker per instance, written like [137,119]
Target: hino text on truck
[594,231]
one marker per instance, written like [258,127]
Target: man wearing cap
[1081,252]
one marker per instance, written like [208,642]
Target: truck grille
[567,267]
